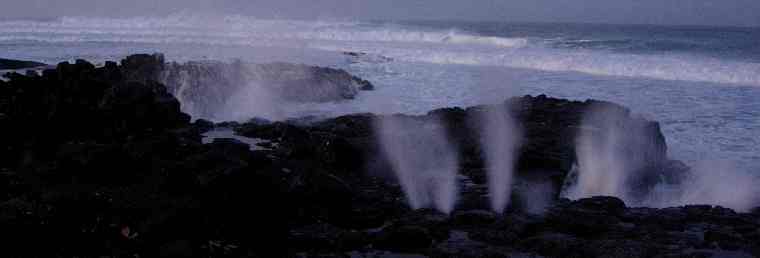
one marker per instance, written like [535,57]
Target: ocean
[701,83]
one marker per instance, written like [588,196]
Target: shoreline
[99,162]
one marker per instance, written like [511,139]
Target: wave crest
[213,29]
[404,43]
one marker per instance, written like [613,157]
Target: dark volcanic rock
[206,86]
[546,156]
[10,64]
[95,164]
[99,161]
[405,239]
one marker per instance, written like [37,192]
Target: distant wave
[630,45]
[496,41]
[399,42]
[665,67]
[242,29]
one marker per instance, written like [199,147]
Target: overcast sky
[703,12]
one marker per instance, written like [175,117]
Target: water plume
[500,140]
[422,158]
[618,156]
[499,136]
[612,149]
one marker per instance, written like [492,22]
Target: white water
[399,42]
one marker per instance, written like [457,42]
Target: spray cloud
[423,159]
[500,138]
[710,182]
[615,157]
[613,150]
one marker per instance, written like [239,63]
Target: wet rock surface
[97,162]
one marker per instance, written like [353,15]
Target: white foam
[665,67]
[213,29]
[402,43]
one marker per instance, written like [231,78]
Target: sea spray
[422,158]
[618,155]
[601,166]
[500,139]
[249,101]
[500,135]
[221,91]
[612,150]
[710,182]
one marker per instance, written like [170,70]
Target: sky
[690,12]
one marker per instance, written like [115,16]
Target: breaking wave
[184,28]
[404,43]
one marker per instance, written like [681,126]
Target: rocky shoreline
[12,64]
[100,161]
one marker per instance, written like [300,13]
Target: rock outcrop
[97,162]
[10,64]
[546,156]
[204,87]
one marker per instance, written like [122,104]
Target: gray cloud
[704,12]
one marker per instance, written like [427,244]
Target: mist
[602,167]
[611,159]
[711,182]
[500,136]
[423,160]
[615,154]
[500,141]
[220,91]
[680,12]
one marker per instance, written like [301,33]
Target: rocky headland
[12,64]
[101,161]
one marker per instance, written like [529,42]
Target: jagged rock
[349,143]
[99,161]
[459,245]
[474,217]
[205,87]
[135,106]
[10,64]
[555,245]
[405,238]
[585,217]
